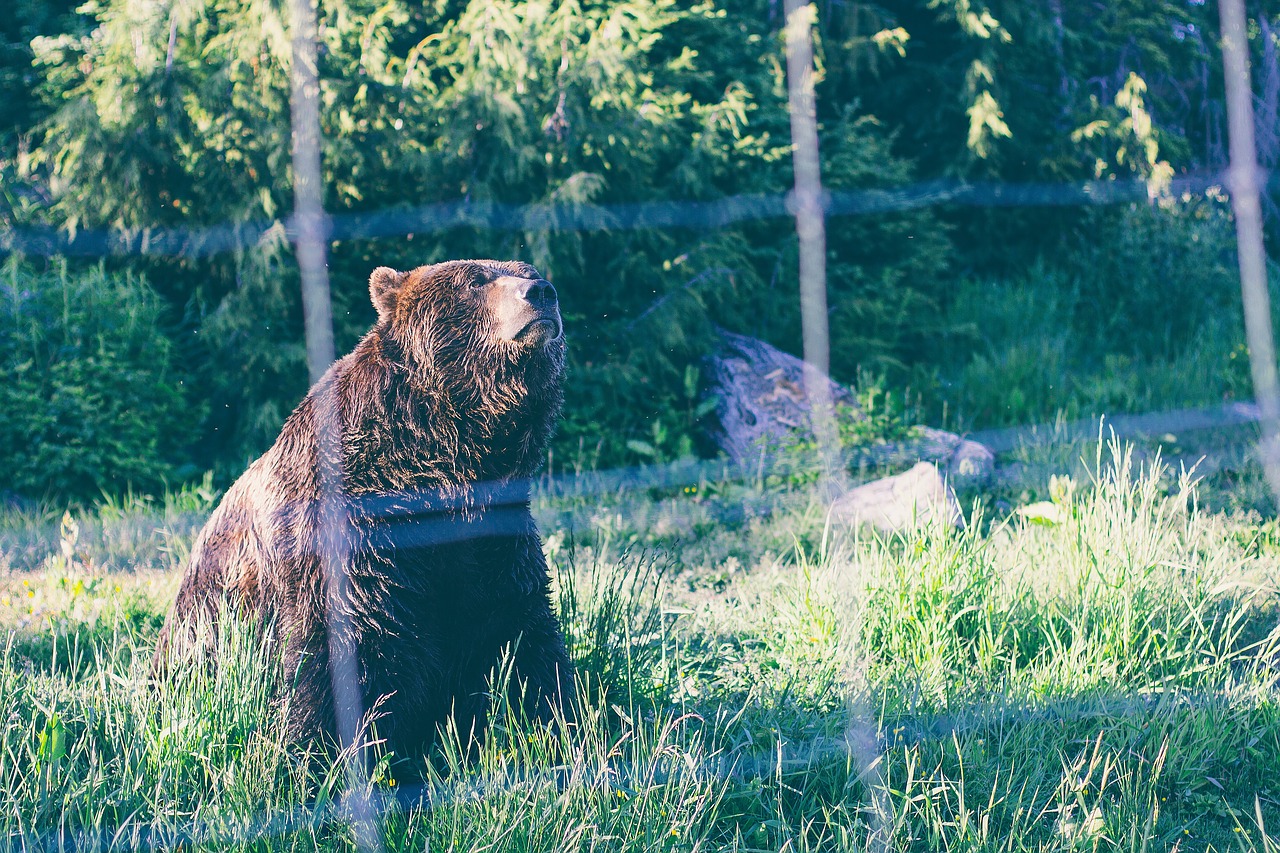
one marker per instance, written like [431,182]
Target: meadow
[1094,672]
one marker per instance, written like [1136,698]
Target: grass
[1098,674]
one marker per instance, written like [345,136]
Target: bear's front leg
[541,685]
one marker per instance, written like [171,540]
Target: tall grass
[1096,674]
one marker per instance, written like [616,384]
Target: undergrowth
[1095,674]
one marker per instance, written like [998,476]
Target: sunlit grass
[1096,674]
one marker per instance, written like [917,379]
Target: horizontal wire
[197,242]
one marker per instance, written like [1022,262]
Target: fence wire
[208,241]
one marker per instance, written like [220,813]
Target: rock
[965,461]
[762,408]
[971,462]
[762,405]
[905,501]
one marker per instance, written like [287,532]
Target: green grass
[1098,674]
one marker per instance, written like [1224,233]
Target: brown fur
[443,420]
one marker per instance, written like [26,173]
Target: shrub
[90,400]
[1141,314]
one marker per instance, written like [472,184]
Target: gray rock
[906,501]
[762,408]
[971,462]
[965,461]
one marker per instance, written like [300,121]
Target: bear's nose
[540,293]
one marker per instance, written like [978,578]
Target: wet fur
[441,425]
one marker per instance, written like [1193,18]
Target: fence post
[1247,207]
[808,204]
[310,234]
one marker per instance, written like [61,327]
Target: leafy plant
[91,400]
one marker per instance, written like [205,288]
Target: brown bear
[446,407]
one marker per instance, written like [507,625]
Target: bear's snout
[527,308]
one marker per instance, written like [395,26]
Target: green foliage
[1156,277]
[1141,315]
[887,274]
[948,606]
[1028,91]
[578,104]
[26,19]
[91,400]
[880,417]
[153,115]
[613,624]
[96,747]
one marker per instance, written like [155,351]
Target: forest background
[145,369]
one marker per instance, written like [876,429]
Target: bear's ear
[384,287]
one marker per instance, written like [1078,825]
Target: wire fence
[311,228]
[201,242]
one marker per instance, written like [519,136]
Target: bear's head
[483,339]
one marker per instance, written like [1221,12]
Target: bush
[90,400]
[1139,313]
[1150,277]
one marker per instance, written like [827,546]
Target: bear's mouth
[540,330]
